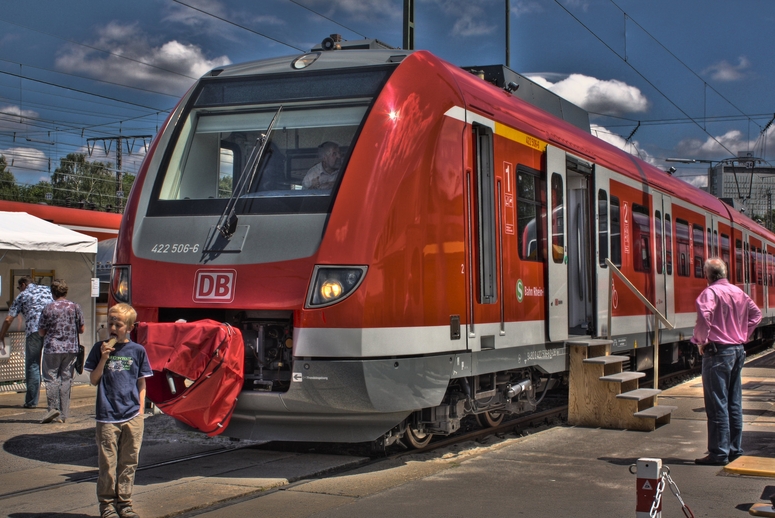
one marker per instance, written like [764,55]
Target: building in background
[746,183]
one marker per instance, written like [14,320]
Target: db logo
[214,285]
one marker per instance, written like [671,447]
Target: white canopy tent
[45,251]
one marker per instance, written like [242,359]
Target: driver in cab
[323,174]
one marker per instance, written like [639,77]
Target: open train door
[557,254]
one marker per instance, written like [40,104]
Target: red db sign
[214,285]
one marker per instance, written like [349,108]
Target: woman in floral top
[60,324]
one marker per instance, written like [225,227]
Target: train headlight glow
[331,290]
[332,284]
[305,61]
[120,284]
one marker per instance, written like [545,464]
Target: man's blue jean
[33,352]
[722,387]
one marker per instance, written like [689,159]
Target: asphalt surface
[48,470]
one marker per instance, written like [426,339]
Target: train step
[656,412]
[639,394]
[592,342]
[607,360]
[623,377]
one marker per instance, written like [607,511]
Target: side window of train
[759,266]
[531,205]
[558,215]
[698,236]
[658,239]
[747,270]
[738,261]
[602,227]
[725,252]
[485,213]
[641,232]
[616,234]
[682,246]
[668,245]
[715,243]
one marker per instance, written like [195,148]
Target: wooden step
[655,412]
[592,342]
[607,360]
[622,377]
[639,394]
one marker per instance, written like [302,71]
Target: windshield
[303,159]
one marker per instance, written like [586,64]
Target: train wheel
[416,439]
[490,419]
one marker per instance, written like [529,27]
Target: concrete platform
[559,471]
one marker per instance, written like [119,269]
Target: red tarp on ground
[206,355]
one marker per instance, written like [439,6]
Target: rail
[613,270]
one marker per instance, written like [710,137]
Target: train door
[580,255]
[663,254]
[557,256]
[485,270]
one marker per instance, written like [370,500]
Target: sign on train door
[663,254]
[557,256]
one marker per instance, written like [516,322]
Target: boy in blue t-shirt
[118,367]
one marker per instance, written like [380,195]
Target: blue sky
[697,74]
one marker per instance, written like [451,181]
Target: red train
[463,242]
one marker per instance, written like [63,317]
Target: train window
[485,200]
[558,215]
[698,238]
[616,236]
[602,227]
[747,271]
[759,266]
[211,156]
[668,245]
[738,261]
[658,239]
[682,246]
[530,207]
[725,252]
[771,261]
[715,243]
[641,232]
[710,245]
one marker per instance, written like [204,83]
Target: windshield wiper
[227,223]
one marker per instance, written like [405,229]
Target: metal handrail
[614,270]
[659,316]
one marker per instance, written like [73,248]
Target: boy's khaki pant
[118,445]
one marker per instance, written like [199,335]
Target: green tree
[9,190]
[78,180]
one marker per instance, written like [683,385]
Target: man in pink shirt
[726,319]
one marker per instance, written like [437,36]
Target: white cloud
[523,7]
[725,71]
[28,165]
[608,97]
[13,118]
[174,64]
[632,147]
[711,148]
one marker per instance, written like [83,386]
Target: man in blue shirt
[30,303]
[118,367]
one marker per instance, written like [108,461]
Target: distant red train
[102,225]
[462,244]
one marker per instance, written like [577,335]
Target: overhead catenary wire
[642,76]
[238,25]
[327,18]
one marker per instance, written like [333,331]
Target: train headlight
[331,284]
[120,284]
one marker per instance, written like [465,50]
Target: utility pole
[508,33]
[107,143]
[408,25]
